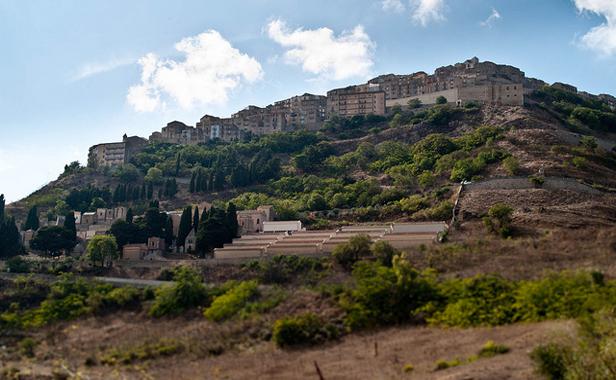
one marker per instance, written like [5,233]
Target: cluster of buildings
[469,81]
[461,83]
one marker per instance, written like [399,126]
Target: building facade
[366,99]
[115,154]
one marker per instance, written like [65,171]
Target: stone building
[366,99]
[177,132]
[304,112]
[469,81]
[251,221]
[115,154]
[216,128]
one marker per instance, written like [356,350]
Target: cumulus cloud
[94,68]
[425,11]
[489,22]
[321,52]
[393,5]
[601,38]
[211,68]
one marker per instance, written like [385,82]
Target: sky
[75,73]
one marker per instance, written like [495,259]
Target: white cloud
[320,52]
[211,68]
[489,22]
[393,5]
[425,11]
[94,68]
[601,38]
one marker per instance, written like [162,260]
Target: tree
[53,240]
[348,254]
[212,233]
[10,240]
[97,202]
[102,249]
[154,222]
[191,187]
[196,216]
[127,233]
[414,103]
[169,232]
[69,224]
[395,121]
[32,220]
[154,176]
[185,226]
[231,221]
[127,173]
[589,142]
[129,216]
[498,220]
[441,100]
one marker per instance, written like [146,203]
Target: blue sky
[77,73]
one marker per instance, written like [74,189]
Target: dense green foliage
[102,250]
[231,302]
[53,240]
[305,329]
[186,292]
[66,299]
[10,240]
[498,220]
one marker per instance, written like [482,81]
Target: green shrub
[142,352]
[384,252]
[349,253]
[27,346]
[551,360]
[383,295]
[589,142]
[564,295]
[579,162]
[17,265]
[230,303]
[186,292]
[444,364]
[481,300]
[498,220]
[441,211]
[536,180]
[408,368]
[511,165]
[413,203]
[305,329]
[491,349]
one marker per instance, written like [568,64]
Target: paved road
[110,280]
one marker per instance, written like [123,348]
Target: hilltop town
[281,231]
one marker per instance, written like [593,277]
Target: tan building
[134,251]
[304,112]
[216,128]
[177,132]
[251,221]
[115,154]
[365,99]
[471,80]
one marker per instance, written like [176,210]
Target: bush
[440,211]
[17,265]
[187,292]
[579,162]
[589,142]
[491,349]
[230,303]
[444,364]
[441,100]
[384,252]
[383,296]
[146,351]
[477,301]
[511,165]
[536,180]
[305,329]
[349,253]
[498,220]
[27,346]
[551,360]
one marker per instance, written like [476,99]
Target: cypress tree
[196,219]
[185,226]
[69,224]
[150,191]
[32,220]
[177,164]
[136,193]
[143,192]
[129,216]
[191,187]
[231,221]
[169,232]
[2,207]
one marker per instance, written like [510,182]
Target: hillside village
[473,197]
[459,85]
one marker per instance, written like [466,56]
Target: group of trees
[213,228]
[10,240]
[52,240]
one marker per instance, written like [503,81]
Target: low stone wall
[551,183]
